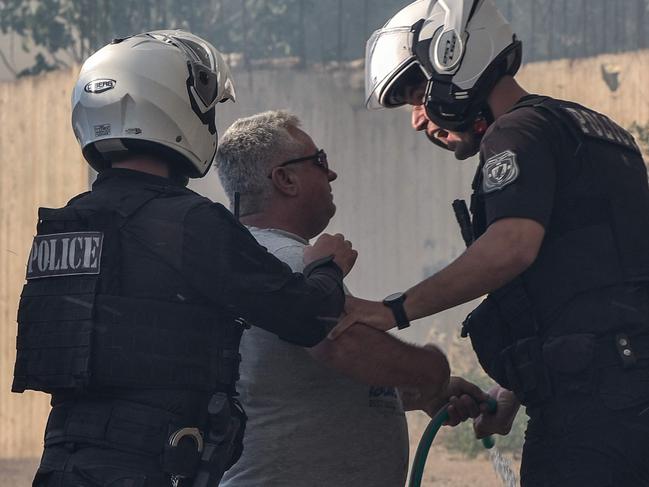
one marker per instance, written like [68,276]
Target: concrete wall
[393,193]
[582,80]
[40,165]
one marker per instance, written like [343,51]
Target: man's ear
[285,181]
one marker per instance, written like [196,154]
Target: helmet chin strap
[237,205]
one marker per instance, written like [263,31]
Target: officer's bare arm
[373,357]
[507,248]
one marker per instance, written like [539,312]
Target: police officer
[138,291]
[558,237]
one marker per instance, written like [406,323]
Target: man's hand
[501,421]
[466,400]
[336,245]
[370,313]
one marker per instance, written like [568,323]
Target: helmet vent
[448,51]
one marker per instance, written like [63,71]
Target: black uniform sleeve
[519,157]
[224,262]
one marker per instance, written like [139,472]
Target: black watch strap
[395,303]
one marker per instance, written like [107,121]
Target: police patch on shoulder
[499,171]
[65,254]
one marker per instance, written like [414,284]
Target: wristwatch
[395,303]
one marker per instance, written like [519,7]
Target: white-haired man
[310,425]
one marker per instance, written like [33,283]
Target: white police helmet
[152,93]
[463,47]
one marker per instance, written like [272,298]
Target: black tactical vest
[77,331]
[597,238]
[598,234]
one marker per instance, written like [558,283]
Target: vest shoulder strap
[583,122]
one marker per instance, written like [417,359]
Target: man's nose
[419,119]
[331,175]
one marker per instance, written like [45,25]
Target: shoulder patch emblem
[499,171]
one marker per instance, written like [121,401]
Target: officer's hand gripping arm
[341,251]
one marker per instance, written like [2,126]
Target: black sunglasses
[319,159]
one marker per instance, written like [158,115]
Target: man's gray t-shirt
[310,426]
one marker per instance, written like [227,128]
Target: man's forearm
[374,357]
[502,253]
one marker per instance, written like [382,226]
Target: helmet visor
[205,69]
[388,53]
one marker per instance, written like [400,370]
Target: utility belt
[580,363]
[505,336]
[201,452]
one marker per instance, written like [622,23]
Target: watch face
[394,297]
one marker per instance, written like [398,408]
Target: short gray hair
[247,152]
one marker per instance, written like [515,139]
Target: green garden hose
[418,464]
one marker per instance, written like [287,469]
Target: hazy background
[46,34]
[394,190]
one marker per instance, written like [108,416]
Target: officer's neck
[505,95]
[144,164]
